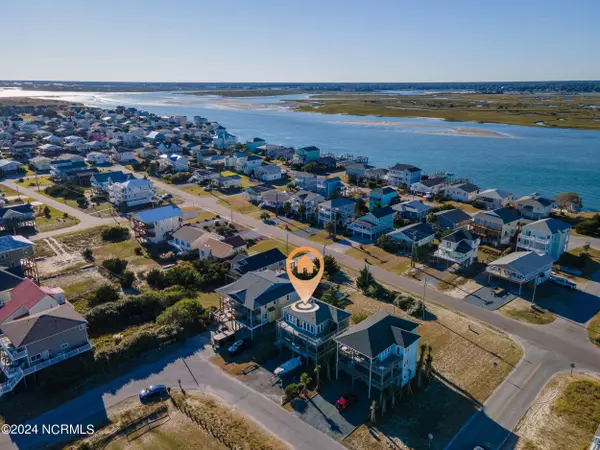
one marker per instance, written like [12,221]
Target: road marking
[512,397]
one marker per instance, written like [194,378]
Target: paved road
[190,365]
[580,241]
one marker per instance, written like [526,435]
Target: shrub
[105,294]
[187,313]
[138,251]
[82,202]
[590,227]
[128,279]
[88,254]
[359,317]
[292,391]
[331,265]
[47,212]
[116,234]
[387,243]
[115,266]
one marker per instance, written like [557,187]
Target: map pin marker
[305,288]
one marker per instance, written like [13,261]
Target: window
[36,357]
[64,346]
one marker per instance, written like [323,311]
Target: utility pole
[535,283]
[413,251]
[423,302]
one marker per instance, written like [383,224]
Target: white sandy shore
[447,130]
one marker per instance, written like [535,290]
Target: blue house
[253,144]
[375,223]
[101,180]
[328,186]
[381,197]
[414,209]
[307,154]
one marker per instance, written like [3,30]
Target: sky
[300,41]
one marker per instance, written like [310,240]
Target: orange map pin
[305,288]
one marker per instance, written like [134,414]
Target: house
[268,260]
[215,160]
[273,199]
[495,198]
[413,209]
[49,150]
[380,351]
[253,144]
[338,210]
[40,164]
[186,238]
[307,202]
[145,152]
[22,149]
[155,137]
[276,152]
[595,445]
[306,181]
[130,193]
[122,154]
[310,333]
[376,174]
[358,170]
[326,162]
[17,216]
[174,162]
[101,180]
[250,164]
[8,281]
[27,298]
[428,187]
[545,237]
[522,267]
[253,193]
[496,227]
[209,247]
[224,141]
[377,222]
[417,235]
[257,299]
[97,158]
[380,197]
[534,206]
[462,192]
[203,176]
[156,225]
[269,172]
[403,175]
[228,182]
[64,165]
[452,219]
[327,187]
[8,166]
[40,340]
[459,247]
[305,155]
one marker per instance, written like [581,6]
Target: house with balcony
[9,166]
[213,248]
[273,199]
[40,164]
[522,267]
[157,225]
[63,166]
[224,140]
[403,175]
[545,237]
[338,210]
[253,144]
[497,227]
[228,181]
[27,298]
[122,154]
[131,193]
[97,158]
[307,200]
[250,164]
[380,197]
[414,236]
[174,162]
[429,187]
[306,181]
[451,219]
[16,216]
[327,187]
[101,180]
[495,198]
[277,152]
[22,149]
[253,193]
[270,172]
[380,351]
[201,176]
[534,206]
[311,334]
[459,248]
[17,255]
[271,259]
[372,225]
[186,238]
[412,209]
[257,299]
[358,170]
[462,192]
[36,341]
[305,155]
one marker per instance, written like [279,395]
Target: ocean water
[514,158]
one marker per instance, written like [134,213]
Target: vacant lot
[379,257]
[268,244]
[34,182]
[239,203]
[55,220]
[520,309]
[245,180]
[470,361]
[565,415]
[196,190]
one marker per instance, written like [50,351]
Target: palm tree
[420,366]
[264,215]
[318,374]
[302,211]
[374,412]
[305,380]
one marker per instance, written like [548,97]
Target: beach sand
[431,129]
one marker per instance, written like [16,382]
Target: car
[562,281]
[208,189]
[153,392]
[237,346]
[346,401]
[167,196]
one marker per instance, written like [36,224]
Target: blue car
[153,392]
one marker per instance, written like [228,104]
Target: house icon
[305,265]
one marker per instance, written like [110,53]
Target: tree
[287,207]
[47,212]
[264,216]
[116,234]
[360,207]
[386,243]
[127,280]
[590,227]
[365,279]
[330,228]
[305,380]
[88,254]
[116,266]
[352,179]
[312,167]
[330,296]
[155,279]
[331,265]
[302,211]
[104,294]
[187,313]
[568,201]
[373,409]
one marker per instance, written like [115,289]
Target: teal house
[380,197]
[307,154]
[372,225]
[328,186]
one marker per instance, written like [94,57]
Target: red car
[345,402]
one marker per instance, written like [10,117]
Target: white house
[495,198]
[224,141]
[545,237]
[97,158]
[158,224]
[307,199]
[9,166]
[534,206]
[268,173]
[403,174]
[273,199]
[251,163]
[337,210]
[522,268]
[228,182]
[175,162]
[122,154]
[131,192]
[459,247]
[462,192]
[428,187]
[306,181]
[40,163]
[146,151]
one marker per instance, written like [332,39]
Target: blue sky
[308,40]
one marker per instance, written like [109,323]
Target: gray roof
[495,193]
[459,235]
[405,167]
[256,289]
[337,202]
[454,215]
[524,262]
[378,332]
[430,182]
[259,261]
[188,233]
[417,205]
[416,232]
[467,187]
[324,313]
[548,225]
[506,215]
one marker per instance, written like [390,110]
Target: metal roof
[158,214]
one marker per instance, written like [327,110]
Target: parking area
[491,297]
[320,411]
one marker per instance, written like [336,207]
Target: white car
[562,281]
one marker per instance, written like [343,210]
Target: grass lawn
[565,415]
[196,190]
[294,225]
[469,209]
[451,281]
[320,237]
[379,257]
[33,183]
[79,240]
[245,180]
[520,310]
[239,203]
[268,244]
[208,299]
[593,329]
[56,221]
[67,201]
[124,249]
[486,254]
[465,376]
[8,192]
[256,354]
[79,288]
[574,260]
